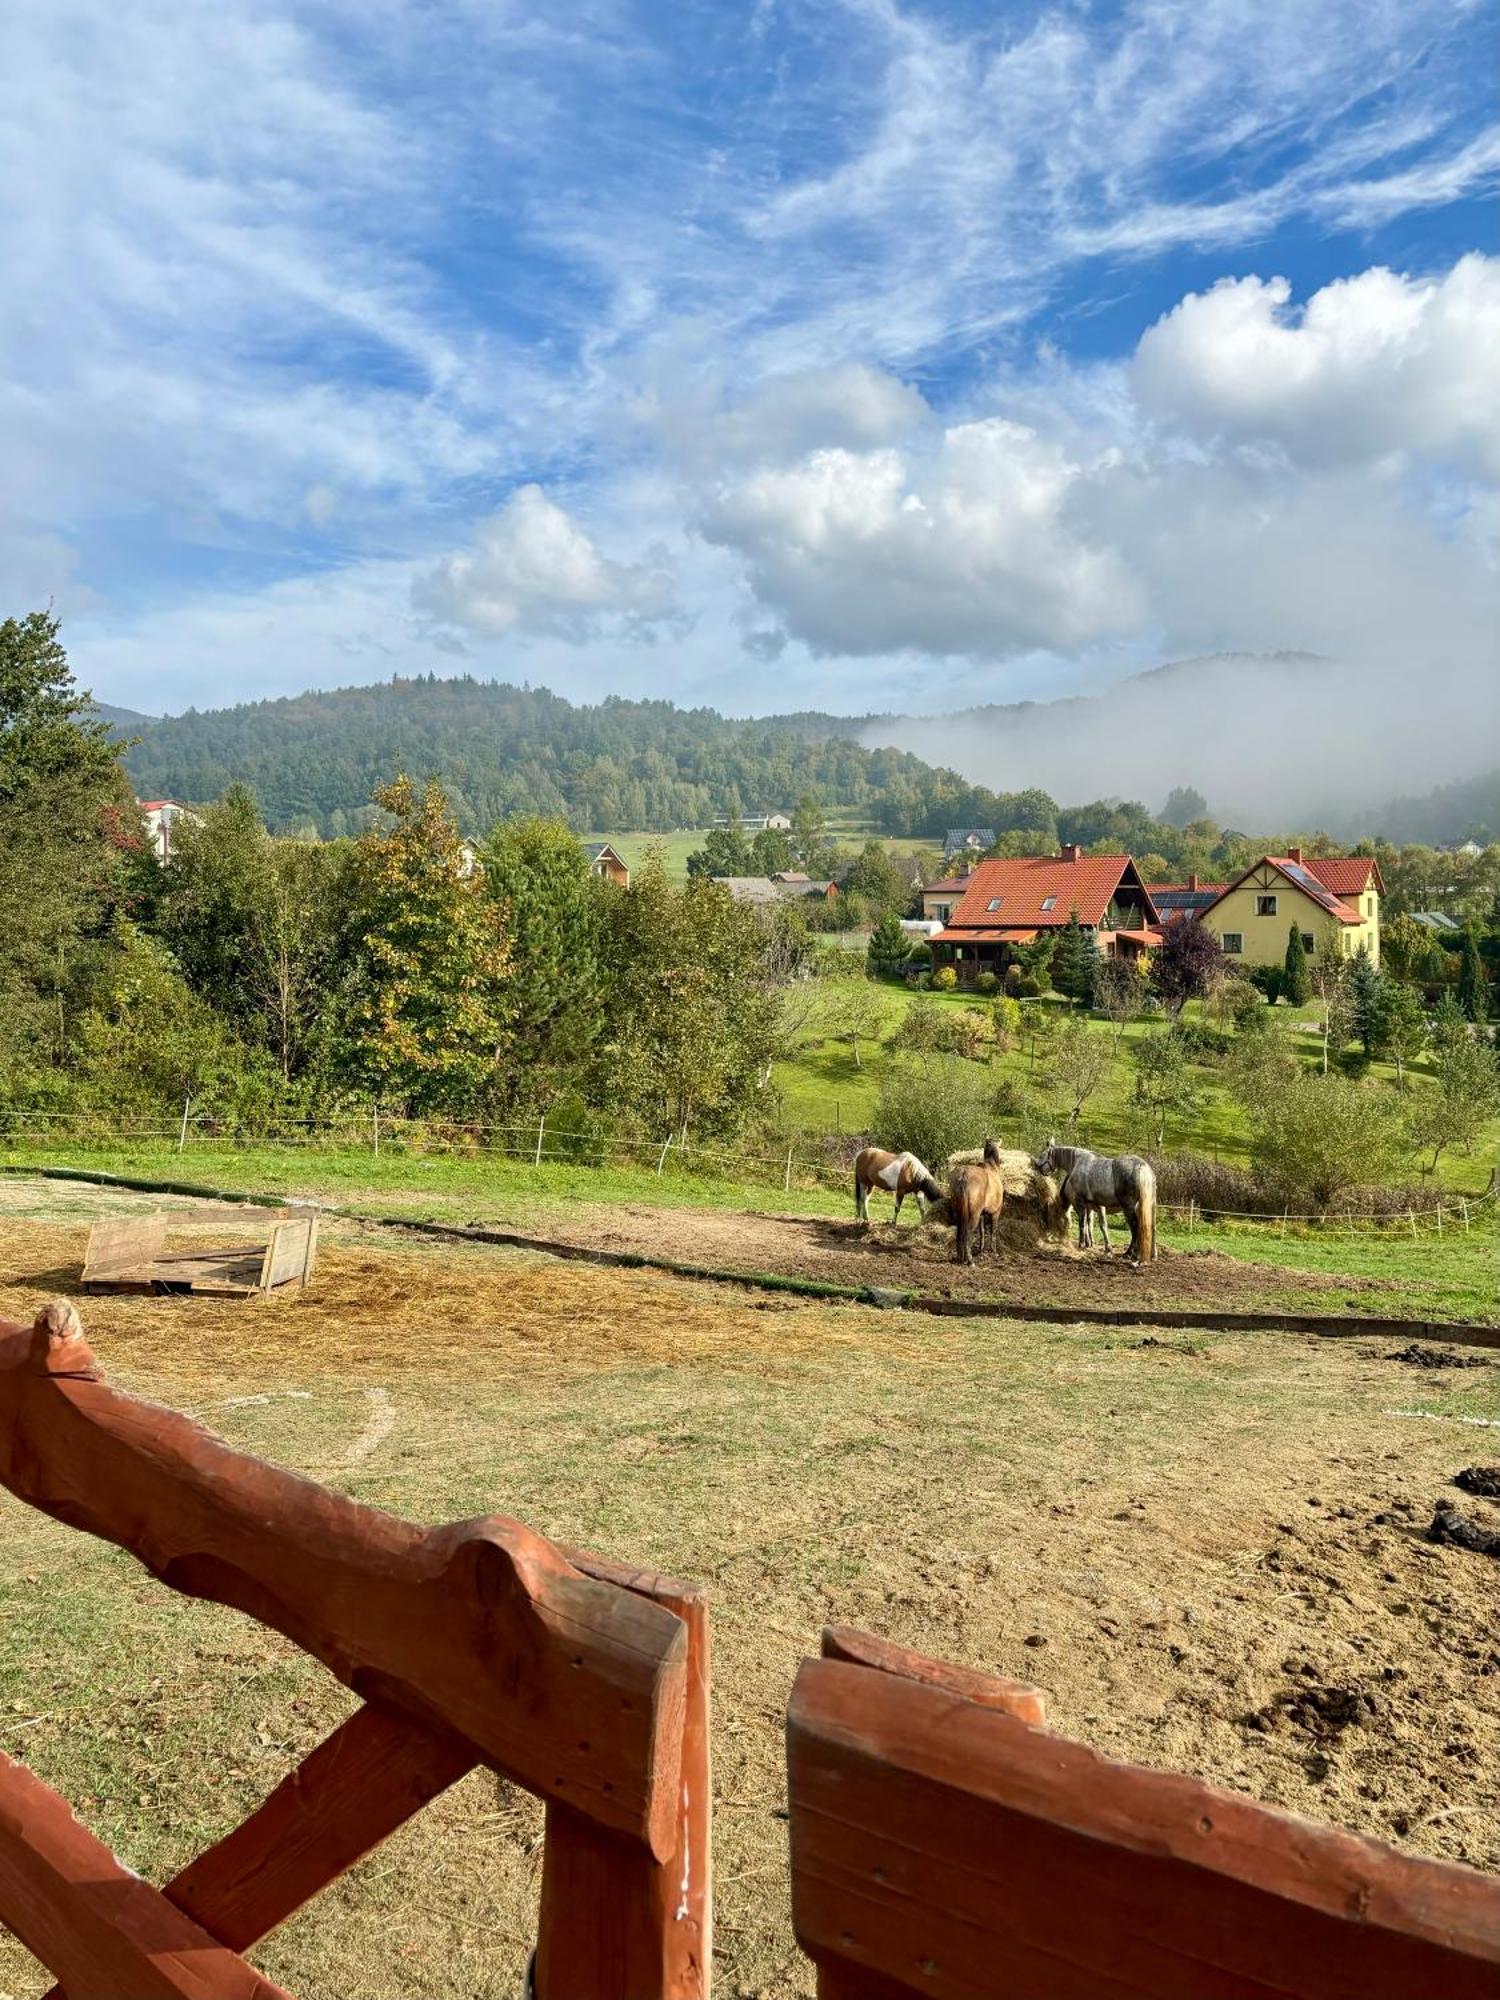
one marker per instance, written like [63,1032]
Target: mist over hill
[1275,742]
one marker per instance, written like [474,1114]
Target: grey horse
[1094,1182]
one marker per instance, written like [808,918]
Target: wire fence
[803,1163]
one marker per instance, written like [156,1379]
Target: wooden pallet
[130,1253]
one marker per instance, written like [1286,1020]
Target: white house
[162,817]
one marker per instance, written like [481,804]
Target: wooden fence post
[787,1177]
[541,1133]
[187,1104]
[375,1128]
[661,1158]
[614,1920]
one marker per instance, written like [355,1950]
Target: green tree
[1364,998]
[770,853]
[1164,1084]
[1119,994]
[1463,1100]
[875,880]
[1398,1028]
[811,842]
[426,1001]
[1188,964]
[725,851]
[1472,992]
[1185,803]
[1296,986]
[852,1012]
[537,873]
[692,1005]
[888,946]
[1077,1063]
[1318,1136]
[1075,962]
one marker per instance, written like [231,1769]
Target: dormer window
[994,903]
[1049,902]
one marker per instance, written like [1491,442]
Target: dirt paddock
[1208,1549]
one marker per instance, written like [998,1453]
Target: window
[1265,906]
[943,910]
[1234,943]
[1309,943]
[1049,902]
[993,903]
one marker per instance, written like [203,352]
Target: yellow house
[1334,903]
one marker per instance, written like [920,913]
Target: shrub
[1296,983]
[986,983]
[1267,979]
[1245,1005]
[1318,1136]
[1028,986]
[1005,1022]
[1200,1043]
[934,1106]
[945,978]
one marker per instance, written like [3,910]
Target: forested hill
[314,760]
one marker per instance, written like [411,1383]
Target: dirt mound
[1482,1479]
[1321,1709]
[1416,1355]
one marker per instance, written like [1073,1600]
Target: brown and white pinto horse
[899,1174]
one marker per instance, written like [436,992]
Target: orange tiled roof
[1010,935]
[1022,885]
[1300,875]
[1346,875]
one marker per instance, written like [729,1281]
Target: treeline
[265,978]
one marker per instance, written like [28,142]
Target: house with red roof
[1011,901]
[1333,901]
[162,816]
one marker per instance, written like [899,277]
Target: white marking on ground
[381,1422]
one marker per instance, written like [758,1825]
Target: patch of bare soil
[902,1258]
[1417,1355]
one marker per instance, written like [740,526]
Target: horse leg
[900,1197]
[1104,1226]
[861,1200]
[1085,1226]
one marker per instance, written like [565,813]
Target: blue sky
[770,355]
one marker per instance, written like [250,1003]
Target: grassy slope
[823,1089]
[1454,1277]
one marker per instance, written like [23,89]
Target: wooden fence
[475,1643]
[944,1843]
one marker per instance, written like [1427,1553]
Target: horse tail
[1146,1198]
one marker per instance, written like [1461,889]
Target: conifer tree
[1296,986]
[1471,986]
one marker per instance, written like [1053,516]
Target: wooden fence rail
[945,1845]
[475,1643]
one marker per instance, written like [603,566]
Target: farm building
[784,888]
[772,822]
[1327,899]
[1008,902]
[604,861]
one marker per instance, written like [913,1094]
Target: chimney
[1192,881]
[1294,854]
[1071,851]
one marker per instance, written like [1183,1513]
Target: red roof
[1019,887]
[952,882]
[1346,875]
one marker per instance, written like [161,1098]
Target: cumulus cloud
[533,569]
[966,548]
[1372,364]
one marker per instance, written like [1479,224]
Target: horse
[976,1195]
[1093,1182]
[901,1173]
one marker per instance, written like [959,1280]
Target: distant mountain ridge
[314,759]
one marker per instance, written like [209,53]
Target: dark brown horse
[976,1196]
[900,1174]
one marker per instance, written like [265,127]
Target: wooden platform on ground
[130,1253]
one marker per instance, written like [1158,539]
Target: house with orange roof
[1333,901]
[1011,901]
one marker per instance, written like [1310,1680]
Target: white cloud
[966,549]
[533,569]
[1373,364]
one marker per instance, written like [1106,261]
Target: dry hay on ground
[1032,1211]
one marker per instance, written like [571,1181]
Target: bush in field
[932,1030]
[1243,1006]
[1028,986]
[1316,1136]
[1077,1063]
[1119,990]
[945,979]
[1188,964]
[888,946]
[1165,1085]
[986,983]
[934,1106]
[1005,1022]
[1467,1090]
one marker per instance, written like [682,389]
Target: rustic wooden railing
[944,1844]
[475,1643]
